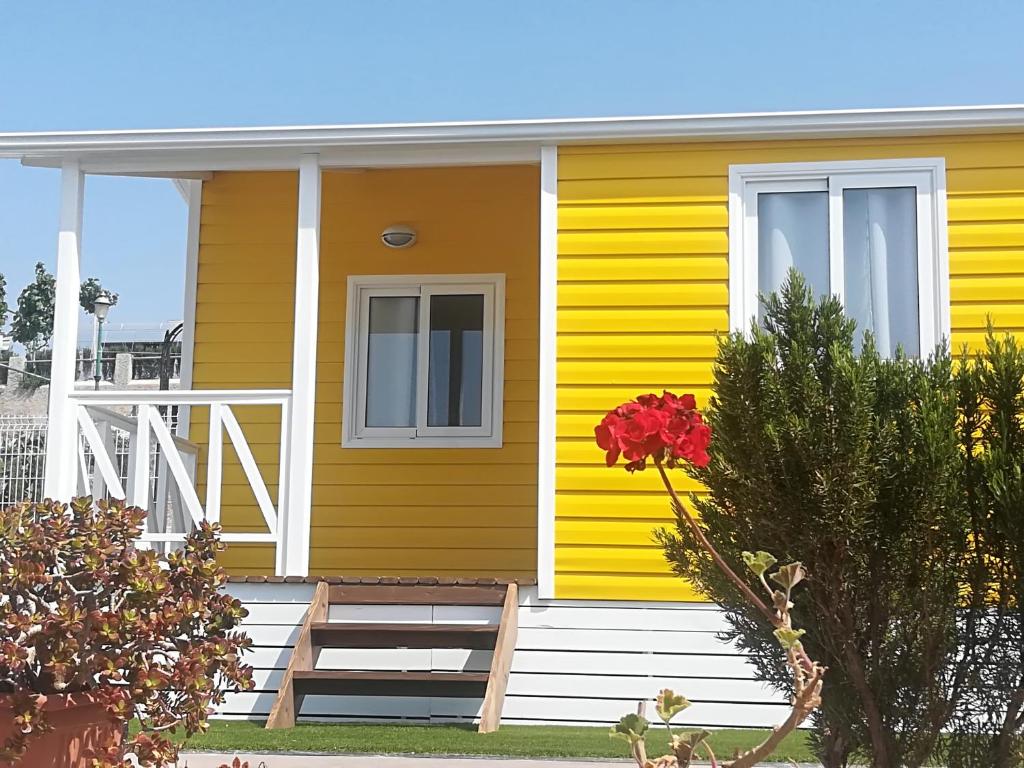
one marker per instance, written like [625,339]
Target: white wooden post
[293,546]
[62,424]
[138,470]
[214,464]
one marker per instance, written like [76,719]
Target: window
[872,233]
[426,353]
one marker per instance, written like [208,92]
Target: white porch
[460,190]
[166,472]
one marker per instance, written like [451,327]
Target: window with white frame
[872,233]
[424,361]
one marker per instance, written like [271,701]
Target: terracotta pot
[79,725]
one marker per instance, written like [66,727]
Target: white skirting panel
[576,662]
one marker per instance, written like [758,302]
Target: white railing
[174,505]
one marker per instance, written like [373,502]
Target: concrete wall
[24,395]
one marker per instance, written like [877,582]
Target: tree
[33,320]
[850,463]
[91,288]
[4,308]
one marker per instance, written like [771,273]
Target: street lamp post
[100,307]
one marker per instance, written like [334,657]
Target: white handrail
[185,397]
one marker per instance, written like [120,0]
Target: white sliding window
[873,233]
[423,361]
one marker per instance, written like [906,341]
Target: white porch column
[293,550]
[62,425]
[193,190]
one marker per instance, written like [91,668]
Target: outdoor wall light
[398,236]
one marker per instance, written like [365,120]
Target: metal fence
[23,455]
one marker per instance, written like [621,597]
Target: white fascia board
[289,142]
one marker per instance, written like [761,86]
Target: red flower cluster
[666,428]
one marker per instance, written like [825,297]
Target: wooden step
[333,682]
[404,635]
[302,678]
[411,594]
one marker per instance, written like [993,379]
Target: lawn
[509,741]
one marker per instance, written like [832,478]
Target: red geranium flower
[666,428]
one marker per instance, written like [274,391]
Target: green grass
[509,741]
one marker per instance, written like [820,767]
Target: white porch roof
[191,152]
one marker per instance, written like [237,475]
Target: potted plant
[97,631]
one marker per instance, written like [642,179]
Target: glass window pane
[792,231]
[391,361]
[455,377]
[880,245]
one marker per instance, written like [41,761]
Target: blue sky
[77,65]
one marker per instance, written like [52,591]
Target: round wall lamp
[398,236]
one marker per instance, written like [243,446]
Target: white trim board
[204,149]
[193,193]
[547,367]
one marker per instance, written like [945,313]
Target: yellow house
[398,340]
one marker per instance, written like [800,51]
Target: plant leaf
[631,728]
[788,576]
[788,638]
[759,562]
[670,704]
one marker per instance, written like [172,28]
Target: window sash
[427,292]
[362,380]
[489,428]
[751,190]
[926,272]
[926,176]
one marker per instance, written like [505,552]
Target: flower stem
[698,532]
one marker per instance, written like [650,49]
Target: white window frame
[927,175]
[361,288]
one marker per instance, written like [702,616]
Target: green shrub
[827,453]
[989,719]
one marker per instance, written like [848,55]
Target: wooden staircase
[302,678]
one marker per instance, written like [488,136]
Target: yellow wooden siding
[463,512]
[643,289]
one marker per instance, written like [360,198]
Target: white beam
[62,423]
[200,163]
[546,372]
[293,552]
